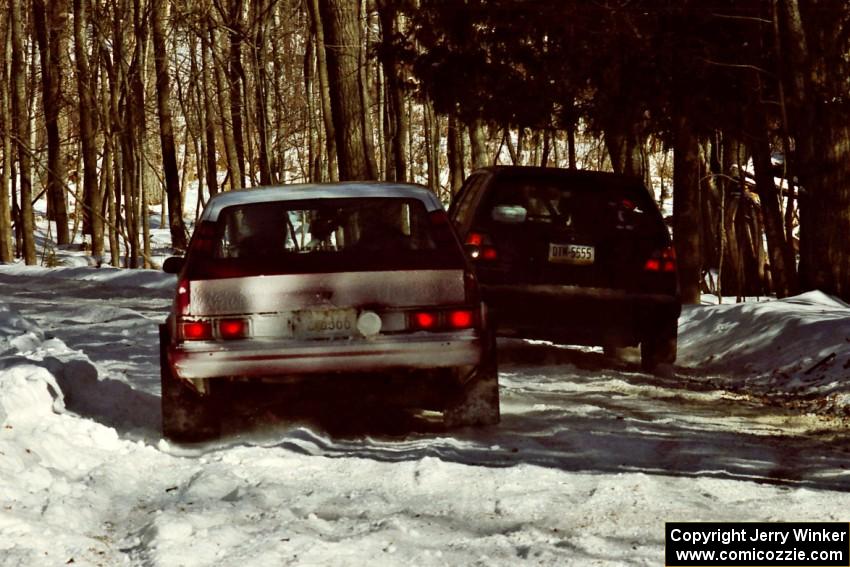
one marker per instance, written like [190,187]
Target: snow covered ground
[592,456]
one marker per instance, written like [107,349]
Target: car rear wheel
[186,415]
[478,402]
[659,349]
[614,352]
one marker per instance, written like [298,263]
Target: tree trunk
[342,33]
[507,139]
[477,143]
[166,130]
[236,77]
[397,125]
[547,148]
[822,137]
[625,149]
[432,144]
[782,264]
[365,96]
[686,207]
[313,153]
[317,29]
[261,14]
[207,88]
[22,131]
[88,130]
[6,236]
[455,153]
[709,208]
[235,173]
[48,27]
[571,146]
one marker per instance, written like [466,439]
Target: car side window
[461,211]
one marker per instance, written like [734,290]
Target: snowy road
[589,462]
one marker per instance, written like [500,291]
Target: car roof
[533,172]
[307,191]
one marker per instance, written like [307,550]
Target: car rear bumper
[277,357]
[579,315]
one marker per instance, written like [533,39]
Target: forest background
[736,111]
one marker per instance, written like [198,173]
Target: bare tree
[341,25]
[166,129]
[49,28]
[6,252]
[86,91]
[22,131]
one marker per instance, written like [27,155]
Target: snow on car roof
[343,190]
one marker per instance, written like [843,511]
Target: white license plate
[324,323]
[571,254]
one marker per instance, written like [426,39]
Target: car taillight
[442,320]
[183,297]
[233,328]
[196,330]
[663,261]
[480,247]
[461,319]
[423,320]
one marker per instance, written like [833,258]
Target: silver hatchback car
[363,285]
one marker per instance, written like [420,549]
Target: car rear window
[583,204]
[327,235]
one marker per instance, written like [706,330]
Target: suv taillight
[479,247]
[662,261]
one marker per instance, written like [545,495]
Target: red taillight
[424,320]
[197,330]
[182,299]
[462,319]
[233,328]
[669,257]
[480,247]
[662,261]
[442,320]
[474,239]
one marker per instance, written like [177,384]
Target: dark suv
[578,257]
[359,287]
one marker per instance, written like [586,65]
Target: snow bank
[106,275]
[795,349]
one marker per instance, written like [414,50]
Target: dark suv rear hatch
[585,229]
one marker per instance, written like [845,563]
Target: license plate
[571,254]
[324,323]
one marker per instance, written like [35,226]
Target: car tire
[186,415]
[658,349]
[478,402]
[613,352]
